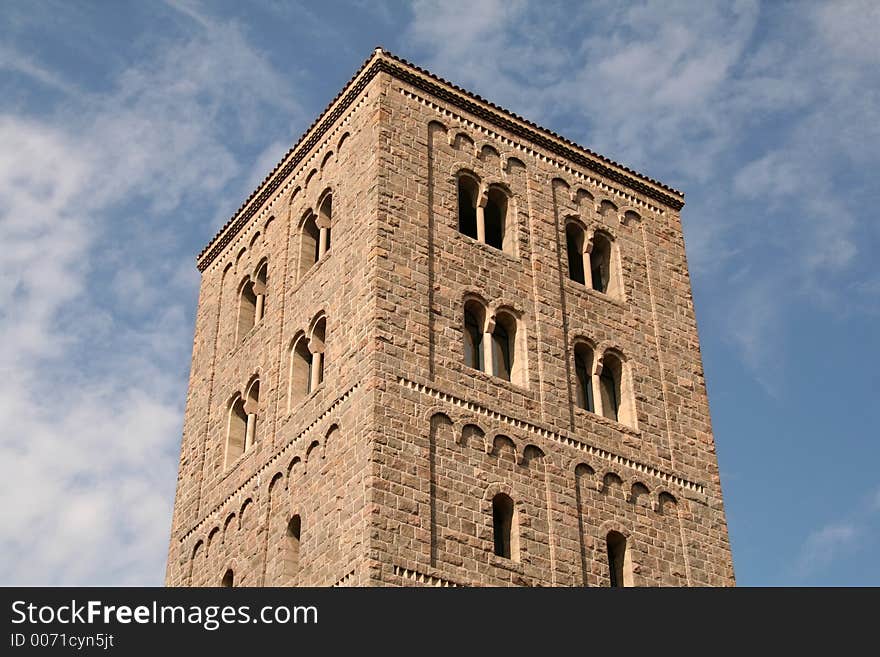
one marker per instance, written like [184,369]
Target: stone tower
[440,345]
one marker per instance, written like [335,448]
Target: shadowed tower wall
[513,391]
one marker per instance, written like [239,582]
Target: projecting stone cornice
[384,62]
[564,438]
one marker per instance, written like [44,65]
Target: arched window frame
[247,308]
[584,355]
[507,321]
[602,266]
[260,283]
[252,408]
[317,346]
[474,334]
[300,370]
[615,385]
[577,251]
[505,527]
[324,222]
[619,553]
[293,542]
[486,212]
[236,430]
[309,242]
[467,186]
[495,211]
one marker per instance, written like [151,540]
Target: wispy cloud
[757,111]
[16,62]
[824,545]
[97,201]
[854,530]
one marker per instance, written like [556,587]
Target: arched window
[291,548]
[502,353]
[604,277]
[583,362]
[474,321]
[467,206]
[251,407]
[610,394]
[574,245]
[619,560]
[247,308]
[505,528]
[259,287]
[325,224]
[316,346]
[300,370]
[613,385]
[228,580]
[505,361]
[495,217]
[310,243]
[236,432]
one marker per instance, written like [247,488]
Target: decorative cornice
[384,62]
[422,578]
[568,439]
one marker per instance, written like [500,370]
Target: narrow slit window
[503,526]
[292,546]
[619,560]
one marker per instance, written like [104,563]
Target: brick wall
[393,462]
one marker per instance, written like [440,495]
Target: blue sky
[129,132]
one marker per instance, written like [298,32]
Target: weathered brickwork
[390,462]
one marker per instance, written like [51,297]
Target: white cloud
[757,112]
[94,289]
[16,62]
[823,545]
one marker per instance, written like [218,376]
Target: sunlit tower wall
[443,346]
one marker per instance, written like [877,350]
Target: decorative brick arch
[495,441]
[479,434]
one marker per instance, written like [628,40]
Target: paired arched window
[619,560]
[252,300]
[505,528]
[609,393]
[493,346]
[315,232]
[484,217]
[291,548]
[592,262]
[241,429]
[307,362]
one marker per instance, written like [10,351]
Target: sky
[131,131]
